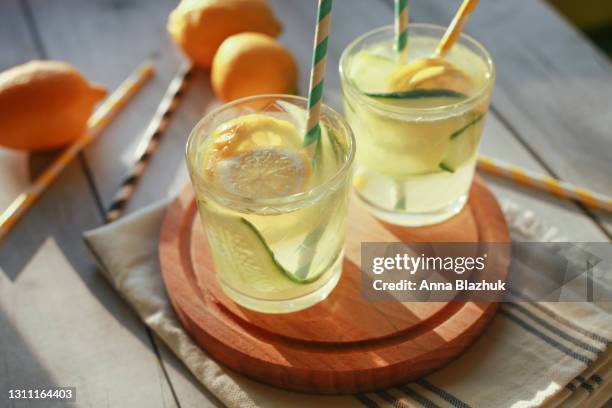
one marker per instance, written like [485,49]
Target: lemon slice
[249,131]
[442,78]
[429,74]
[400,78]
[263,173]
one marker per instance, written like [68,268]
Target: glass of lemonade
[274,213]
[417,130]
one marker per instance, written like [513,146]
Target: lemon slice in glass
[429,74]
[264,172]
[250,131]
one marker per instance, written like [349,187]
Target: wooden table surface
[62,324]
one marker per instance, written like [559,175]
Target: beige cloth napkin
[551,354]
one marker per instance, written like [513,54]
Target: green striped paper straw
[317,73]
[401,28]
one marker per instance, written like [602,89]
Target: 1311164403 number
[55,393]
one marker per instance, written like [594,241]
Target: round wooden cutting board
[344,344]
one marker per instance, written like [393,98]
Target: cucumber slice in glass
[418,94]
[461,147]
[243,250]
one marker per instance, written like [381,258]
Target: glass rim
[470,101]
[315,191]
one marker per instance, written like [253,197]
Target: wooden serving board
[343,344]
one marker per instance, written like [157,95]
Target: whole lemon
[200,26]
[252,64]
[44,105]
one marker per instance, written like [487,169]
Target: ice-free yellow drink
[417,124]
[274,212]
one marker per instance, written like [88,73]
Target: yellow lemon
[252,64]
[200,26]
[44,105]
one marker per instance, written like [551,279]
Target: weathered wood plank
[56,313]
[570,220]
[553,86]
[17,43]
[189,391]
[106,41]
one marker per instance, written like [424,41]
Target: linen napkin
[532,354]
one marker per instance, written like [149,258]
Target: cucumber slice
[377,57]
[368,71]
[241,247]
[418,94]
[263,245]
[461,147]
[458,133]
[400,193]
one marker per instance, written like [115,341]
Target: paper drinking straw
[317,73]
[545,183]
[401,29]
[456,27]
[96,123]
[401,47]
[148,146]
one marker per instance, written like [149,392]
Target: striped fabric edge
[528,322]
[366,401]
[519,297]
[568,323]
[579,383]
[531,328]
[445,395]
[410,398]
[581,391]
[393,400]
[556,329]
[594,377]
[549,339]
[424,401]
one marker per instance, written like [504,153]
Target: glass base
[415,219]
[288,305]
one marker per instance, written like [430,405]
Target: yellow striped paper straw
[456,27]
[557,187]
[317,73]
[149,143]
[401,29]
[96,123]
